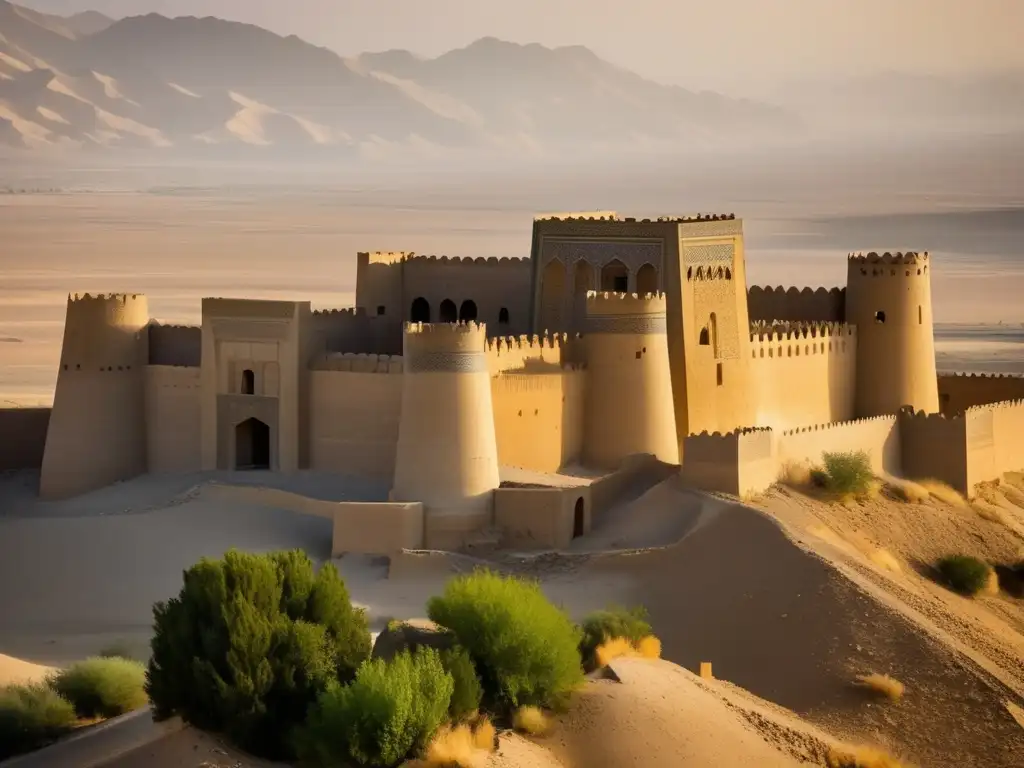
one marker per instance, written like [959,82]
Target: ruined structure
[615,338]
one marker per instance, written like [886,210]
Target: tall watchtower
[629,383]
[889,299]
[97,432]
[447,455]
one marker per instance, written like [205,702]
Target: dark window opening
[448,313]
[503,316]
[380,309]
[420,311]
[252,445]
[720,378]
[578,518]
[621,284]
[467,312]
[248,382]
[879,317]
[705,337]
[920,315]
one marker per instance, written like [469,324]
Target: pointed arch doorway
[252,445]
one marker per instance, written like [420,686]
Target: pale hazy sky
[736,44]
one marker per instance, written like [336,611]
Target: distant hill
[184,84]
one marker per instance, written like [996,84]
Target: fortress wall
[180,345]
[490,284]
[960,391]
[995,441]
[803,375]
[173,434]
[711,462]
[879,437]
[806,305]
[540,517]
[538,418]
[353,330]
[355,413]
[531,353]
[23,437]
[758,461]
[934,448]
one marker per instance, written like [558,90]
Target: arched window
[705,337]
[647,279]
[503,316]
[420,311]
[467,311]
[713,330]
[248,382]
[448,313]
[615,277]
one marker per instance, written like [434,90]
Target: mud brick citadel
[616,339]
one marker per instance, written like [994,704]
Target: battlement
[357,363]
[1000,406]
[798,331]
[774,303]
[425,339]
[909,414]
[255,308]
[340,312]
[836,425]
[104,298]
[909,258]
[403,257]
[607,303]
[612,216]
[956,375]
[731,435]
[513,353]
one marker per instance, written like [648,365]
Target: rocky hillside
[187,83]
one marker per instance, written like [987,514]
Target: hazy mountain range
[185,84]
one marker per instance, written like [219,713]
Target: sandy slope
[16,671]
[786,614]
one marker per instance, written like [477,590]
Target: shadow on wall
[23,437]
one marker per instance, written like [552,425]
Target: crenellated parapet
[798,331]
[787,340]
[405,257]
[445,347]
[837,425]
[982,376]
[514,353]
[778,303]
[105,332]
[357,363]
[613,216]
[628,313]
[897,258]
[1002,405]
[175,345]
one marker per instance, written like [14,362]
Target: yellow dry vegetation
[943,493]
[885,560]
[883,684]
[863,757]
[461,746]
[908,490]
[531,720]
[991,584]
[648,647]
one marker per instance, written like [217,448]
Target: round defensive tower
[97,431]
[447,454]
[889,299]
[629,385]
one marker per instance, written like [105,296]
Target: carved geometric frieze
[633,253]
[707,253]
[445,362]
[638,324]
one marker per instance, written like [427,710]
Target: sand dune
[16,671]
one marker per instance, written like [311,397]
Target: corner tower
[447,454]
[889,299]
[97,432]
[629,406]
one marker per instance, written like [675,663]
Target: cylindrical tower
[889,299]
[629,385]
[447,453]
[97,432]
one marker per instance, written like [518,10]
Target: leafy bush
[525,649]
[601,626]
[391,710]
[467,691]
[848,474]
[965,574]
[31,716]
[249,644]
[103,687]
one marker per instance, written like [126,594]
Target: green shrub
[103,687]
[525,650]
[848,474]
[964,574]
[390,711]
[601,626]
[249,644]
[467,690]
[32,716]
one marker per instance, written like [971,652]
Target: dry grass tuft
[531,720]
[883,684]
[648,647]
[907,490]
[795,474]
[461,746]
[943,493]
[885,560]
[991,584]
[863,757]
